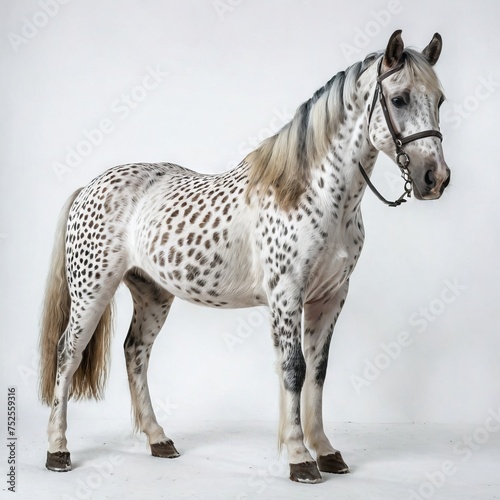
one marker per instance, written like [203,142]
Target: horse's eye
[398,102]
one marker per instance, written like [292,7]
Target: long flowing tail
[90,377]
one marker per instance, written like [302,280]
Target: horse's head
[404,115]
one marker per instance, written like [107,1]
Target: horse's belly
[218,276]
[239,298]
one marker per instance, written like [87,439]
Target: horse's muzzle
[432,186]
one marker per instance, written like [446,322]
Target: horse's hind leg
[84,319]
[320,318]
[151,307]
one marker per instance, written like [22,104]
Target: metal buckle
[402,159]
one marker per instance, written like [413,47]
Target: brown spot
[273,281]
[205,219]
[171,253]
[216,261]
[153,243]
[178,258]
[192,272]
[201,258]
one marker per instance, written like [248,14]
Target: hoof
[164,450]
[58,461]
[333,463]
[306,472]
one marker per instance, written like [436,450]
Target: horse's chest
[335,262]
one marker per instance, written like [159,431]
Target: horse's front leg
[320,318]
[286,313]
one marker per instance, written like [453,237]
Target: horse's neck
[344,185]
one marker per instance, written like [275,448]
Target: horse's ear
[394,51]
[433,50]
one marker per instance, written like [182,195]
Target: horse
[282,229]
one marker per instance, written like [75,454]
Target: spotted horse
[282,229]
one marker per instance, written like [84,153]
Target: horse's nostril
[429,178]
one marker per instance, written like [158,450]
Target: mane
[283,161]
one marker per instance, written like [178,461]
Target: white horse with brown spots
[283,229]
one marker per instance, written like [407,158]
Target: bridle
[402,158]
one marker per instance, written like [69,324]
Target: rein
[402,158]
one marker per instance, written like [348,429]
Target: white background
[229,75]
